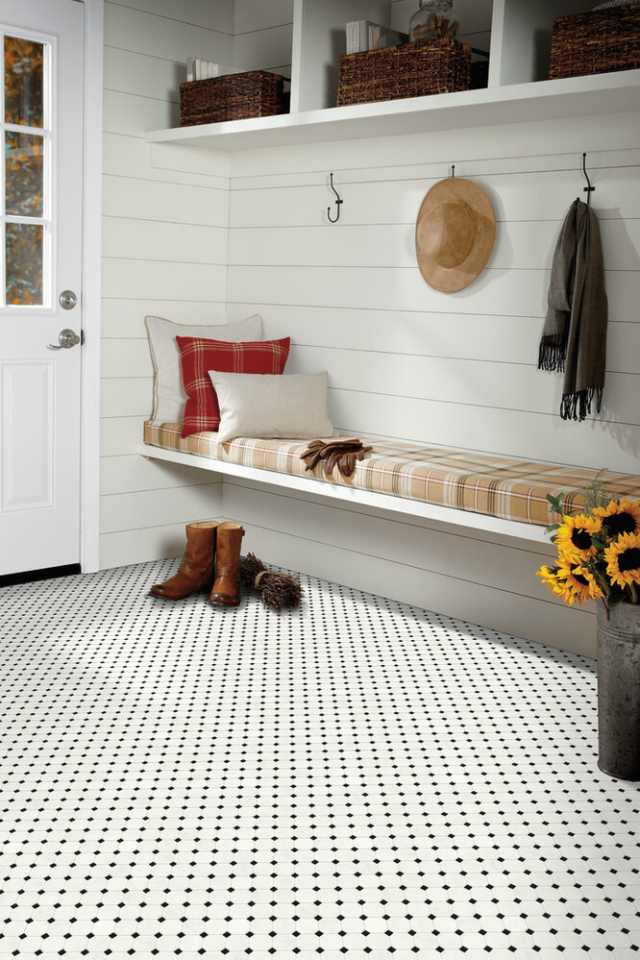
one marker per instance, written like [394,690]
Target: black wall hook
[589,189]
[339,202]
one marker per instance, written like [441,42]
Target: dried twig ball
[278,590]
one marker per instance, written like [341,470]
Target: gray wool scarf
[574,339]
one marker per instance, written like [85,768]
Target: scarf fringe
[552,354]
[578,406]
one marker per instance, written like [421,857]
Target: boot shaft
[195,573]
[198,557]
[226,588]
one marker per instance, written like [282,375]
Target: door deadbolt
[67,299]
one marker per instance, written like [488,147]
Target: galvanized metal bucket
[619,691]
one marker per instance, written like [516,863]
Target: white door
[41,114]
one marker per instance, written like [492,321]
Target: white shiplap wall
[407,361]
[404,360]
[165,252]
[263,35]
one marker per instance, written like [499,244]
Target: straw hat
[455,234]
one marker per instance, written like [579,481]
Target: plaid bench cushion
[496,486]
[169,436]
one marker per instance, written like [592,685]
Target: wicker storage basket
[596,42]
[411,70]
[236,96]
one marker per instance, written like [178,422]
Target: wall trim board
[91,288]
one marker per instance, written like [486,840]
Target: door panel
[27,412]
[41,119]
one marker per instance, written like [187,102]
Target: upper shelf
[547,99]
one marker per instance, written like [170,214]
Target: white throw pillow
[168,396]
[293,406]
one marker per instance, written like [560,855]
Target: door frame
[91,286]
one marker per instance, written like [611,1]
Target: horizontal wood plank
[500,292]
[461,336]
[120,436]
[124,319]
[144,32]
[392,195]
[145,279]
[132,115]
[155,508]
[263,50]
[141,75]
[139,546]
[142,199]
[128,238]
[546,437]
[522,245]
[254,15]
[126,397]
[516,387]
[127,156]
[132,474]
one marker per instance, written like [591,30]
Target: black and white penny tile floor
[359,779]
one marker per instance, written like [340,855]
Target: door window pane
[24,263]
[27,241]
[24,174]
[23,82]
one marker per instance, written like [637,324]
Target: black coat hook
[339,202]
[589,189]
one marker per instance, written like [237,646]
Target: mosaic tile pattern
[359,779]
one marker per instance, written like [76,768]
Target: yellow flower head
[574,538]
[578,584]
[623,560]
[571,582]
[621,516]
[549,575]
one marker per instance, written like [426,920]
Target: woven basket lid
[455,234]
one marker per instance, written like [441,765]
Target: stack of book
[364,35]
[199,69]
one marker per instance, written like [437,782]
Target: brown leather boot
[196,570]
[226,589]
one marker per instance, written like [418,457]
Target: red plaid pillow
[198,356]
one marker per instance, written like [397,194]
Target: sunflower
[572,582]
[621,516]
[577,584]
[574,538]
[549,575]
[623,560]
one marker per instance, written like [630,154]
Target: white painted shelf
[577,96]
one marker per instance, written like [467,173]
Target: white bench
[366,498]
